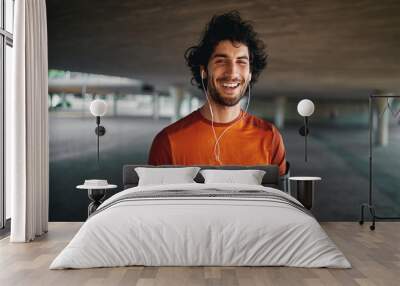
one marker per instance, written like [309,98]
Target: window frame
[6,39]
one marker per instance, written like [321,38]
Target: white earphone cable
[217,150]
[212,115]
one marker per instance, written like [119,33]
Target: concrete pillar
[115,98]
[83,106]
[50,100]
[280,103]
[382,126]
[156,106]
[189,99]
[177,95]
[63,100]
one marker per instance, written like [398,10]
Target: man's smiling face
[228,72]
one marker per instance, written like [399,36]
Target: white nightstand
[305,190]
[96,195]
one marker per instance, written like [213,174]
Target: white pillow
[163,176]
[249,177]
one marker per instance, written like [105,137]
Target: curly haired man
[225,65]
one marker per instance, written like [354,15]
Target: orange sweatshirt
[190,141]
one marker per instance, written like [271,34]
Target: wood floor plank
[374,255]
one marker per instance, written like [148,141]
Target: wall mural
[218,118]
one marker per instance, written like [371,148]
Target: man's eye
[243,62]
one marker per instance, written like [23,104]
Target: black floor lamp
[370,205]
[98,108]
[305,108]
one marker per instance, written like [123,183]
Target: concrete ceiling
[316,47]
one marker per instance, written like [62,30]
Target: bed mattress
[201,225]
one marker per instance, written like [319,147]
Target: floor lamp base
[373,215]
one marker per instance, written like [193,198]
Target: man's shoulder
[181,124]
[259,123]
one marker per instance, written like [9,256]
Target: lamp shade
[305,107]
[98,107]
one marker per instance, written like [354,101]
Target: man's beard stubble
[216,96]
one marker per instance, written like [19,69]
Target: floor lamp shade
[305,107]
[98,107]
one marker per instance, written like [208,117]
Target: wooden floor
[375,257]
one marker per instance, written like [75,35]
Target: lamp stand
[100,131]
[303,131]
[305,137]
[98,139]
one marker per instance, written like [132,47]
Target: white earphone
[217,150]
[202,74]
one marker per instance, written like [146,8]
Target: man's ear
[249,77]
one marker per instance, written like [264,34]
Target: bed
[201,224]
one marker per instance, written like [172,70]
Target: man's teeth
[231,85]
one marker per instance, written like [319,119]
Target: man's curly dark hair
[229,26]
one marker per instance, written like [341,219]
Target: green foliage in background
[56,73]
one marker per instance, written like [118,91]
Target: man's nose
[232,69]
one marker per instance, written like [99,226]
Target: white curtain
[27,122]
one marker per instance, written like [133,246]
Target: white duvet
[184,231]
